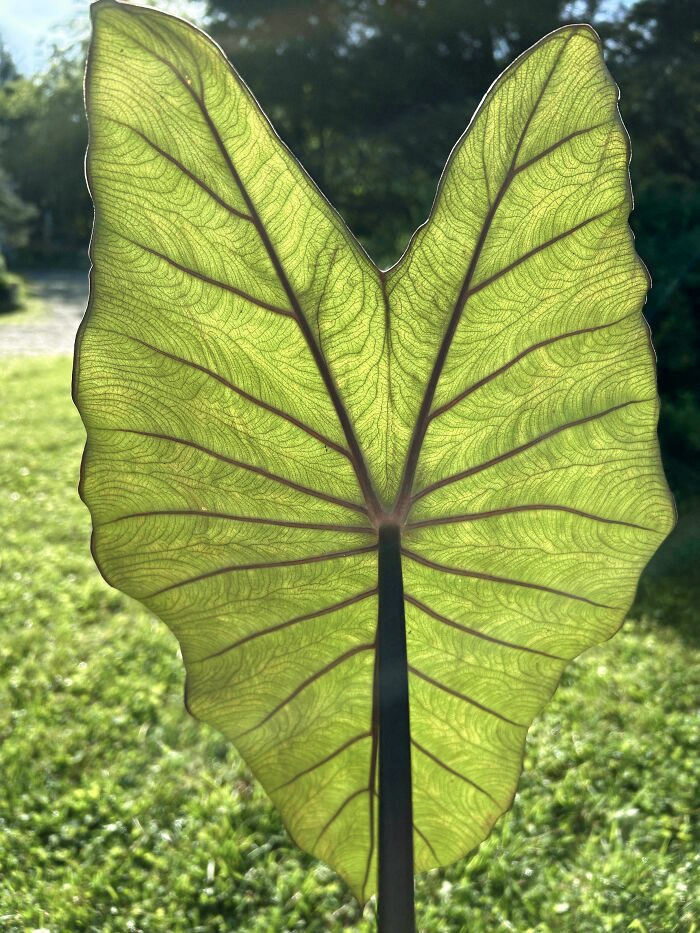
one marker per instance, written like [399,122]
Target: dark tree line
[372,94]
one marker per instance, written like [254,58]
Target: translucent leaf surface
[259,398]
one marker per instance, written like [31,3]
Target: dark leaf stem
[395,900]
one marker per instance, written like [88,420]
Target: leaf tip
[98,5]
[586,31]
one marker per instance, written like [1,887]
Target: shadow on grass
[30,307]
[669,591]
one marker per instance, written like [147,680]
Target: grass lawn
[120,813]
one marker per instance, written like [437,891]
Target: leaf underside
[259,397]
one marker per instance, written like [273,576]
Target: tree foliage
[42,119]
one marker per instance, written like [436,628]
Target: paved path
[65,296]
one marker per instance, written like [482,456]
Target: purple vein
[471,631]
[285,312]
[346,503]
[416,830]
[492,578]
[329,822]
[556,145]
[421,425]
[538,249]
[183,168]
[323,761]
[326,441]
[327,610]
[501,369]
[510,509]
[426,841]
[312,678]
[522,447]
[265,565]
[464,697]
[358,461]
[254,519]
[442,764]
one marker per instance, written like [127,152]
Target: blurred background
[370,95]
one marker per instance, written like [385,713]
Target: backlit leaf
[259,398]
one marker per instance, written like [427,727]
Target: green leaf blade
[259,398]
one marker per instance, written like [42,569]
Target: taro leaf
[259,398]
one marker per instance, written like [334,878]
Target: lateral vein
[522,447]
[493,578]
[556,145]
[510,509]
[538,249]
[260,471]
[284,312]
[437,412]
[323,761]
[345,656]
[264,565]
[458,774]
[326,441]
[183,168]
[327,610]
[464,697]
[427,841]
[329,822]
[251,519]
[475,632]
